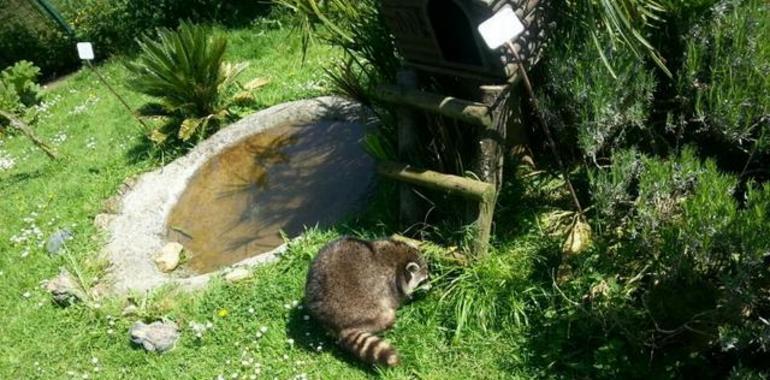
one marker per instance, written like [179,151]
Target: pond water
[283,179]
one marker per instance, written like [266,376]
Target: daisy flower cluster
[199,329]
[249,365]
[246,366]
[59,138]
[7,162]
[30,234]
[87,105]
[91,143]
[87,373]
[43,109]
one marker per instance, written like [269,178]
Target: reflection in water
[283,179]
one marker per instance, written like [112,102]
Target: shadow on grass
[567,336]
[308,335]
[17,178]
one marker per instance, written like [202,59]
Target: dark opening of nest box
[441,35]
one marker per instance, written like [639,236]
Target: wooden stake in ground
[86,53]
[120,98]
[546,130]
[27,131]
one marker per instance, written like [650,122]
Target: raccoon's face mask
[416,277]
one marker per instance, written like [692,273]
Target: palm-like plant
[185,70]
[624,21]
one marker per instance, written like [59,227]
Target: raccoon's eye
[412,267]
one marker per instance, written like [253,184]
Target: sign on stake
[86,53]
[504,26]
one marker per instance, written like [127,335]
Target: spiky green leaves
[185,70]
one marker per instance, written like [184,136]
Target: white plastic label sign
[85,50]
[504,26]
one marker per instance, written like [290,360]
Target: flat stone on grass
[57,240]
[64,289]
[158,336]
[237,274]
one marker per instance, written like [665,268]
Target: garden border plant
[196,89]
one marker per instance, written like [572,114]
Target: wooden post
[483,193]
[406,119]
[27,131]
[517,141]
[484,223]
[488,164]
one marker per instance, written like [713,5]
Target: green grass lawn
[472,325]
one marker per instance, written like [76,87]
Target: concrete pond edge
[135,219]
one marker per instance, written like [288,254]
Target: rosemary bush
[726,74]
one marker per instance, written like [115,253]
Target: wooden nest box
[451,77]
[441,36]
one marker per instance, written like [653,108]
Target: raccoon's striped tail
[368,347]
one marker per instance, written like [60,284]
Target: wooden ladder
[491,140]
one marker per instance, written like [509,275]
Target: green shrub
[19,90]
[623,24]
[358,28]
[22,77]
[726,74]
[25,34]
[185,70]
[679,268]
[583,101]
[111,25]
[9,99]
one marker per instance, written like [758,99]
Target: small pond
[279,180]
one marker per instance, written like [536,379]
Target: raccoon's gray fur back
[354,288]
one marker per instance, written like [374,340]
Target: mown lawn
[461,329]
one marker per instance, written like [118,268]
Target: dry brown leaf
[578,238]
[256,83]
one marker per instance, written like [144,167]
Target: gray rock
[64,289]
[57,240]
[158,336]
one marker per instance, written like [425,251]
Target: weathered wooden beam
[484,224]
[462,186]
[27,131]
[488,164]
[464,110]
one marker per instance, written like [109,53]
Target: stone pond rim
[138,229]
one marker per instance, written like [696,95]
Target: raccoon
[354,288]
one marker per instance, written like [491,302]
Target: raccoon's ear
[412,267]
